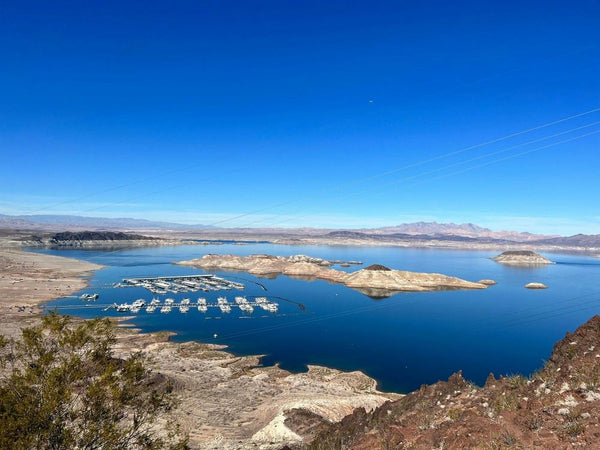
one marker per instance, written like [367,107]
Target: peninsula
[375,280]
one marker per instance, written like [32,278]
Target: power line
[408,166]
[470,160]
[459,171]
[331,188]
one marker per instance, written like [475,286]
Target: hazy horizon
[281,114]
[75,220]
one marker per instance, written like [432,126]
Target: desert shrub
[61,387]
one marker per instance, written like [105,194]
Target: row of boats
[202,305]
[181,284]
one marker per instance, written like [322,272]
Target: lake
[402,341]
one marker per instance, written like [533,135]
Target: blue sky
[303,113]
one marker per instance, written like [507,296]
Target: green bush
[61,388]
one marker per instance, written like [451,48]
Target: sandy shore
[227,402]
[30,279]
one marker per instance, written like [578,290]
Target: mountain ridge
[415,231]
[411,229]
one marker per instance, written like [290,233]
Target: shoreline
[37,278]
[22,238]
[243,403]
[425,243]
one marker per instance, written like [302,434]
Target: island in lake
[522,257]
[375,281]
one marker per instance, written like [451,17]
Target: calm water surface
[402,341]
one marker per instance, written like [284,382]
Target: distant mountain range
[465,232]
[453,229]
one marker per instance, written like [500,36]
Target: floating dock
[202,305]
[181,283]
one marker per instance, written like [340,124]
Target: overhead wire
[405,167]
[345,196]
[330,188]
[513,147]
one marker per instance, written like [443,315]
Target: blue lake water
[402,341]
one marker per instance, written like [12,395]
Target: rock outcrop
[536,285]
[376,280]
[522,257]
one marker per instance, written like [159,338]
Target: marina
[181,284]
[202,305]
[185,284]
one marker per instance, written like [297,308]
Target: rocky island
[522,257]
[536,285]
[375,281]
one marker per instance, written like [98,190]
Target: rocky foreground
[557,408]
[230,402]
[522,257]
[375,280]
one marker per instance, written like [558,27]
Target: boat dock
[201,305]
[181,283]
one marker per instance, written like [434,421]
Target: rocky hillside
[91,239]
[453,229]
[557,408]
[69,236]
[578,240]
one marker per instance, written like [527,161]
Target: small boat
[247,307]
[124,307]
[262,302]
[244,304]
[202,307]
[184,306]
[223,305]
[139,303]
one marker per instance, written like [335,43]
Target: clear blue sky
[201,111]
